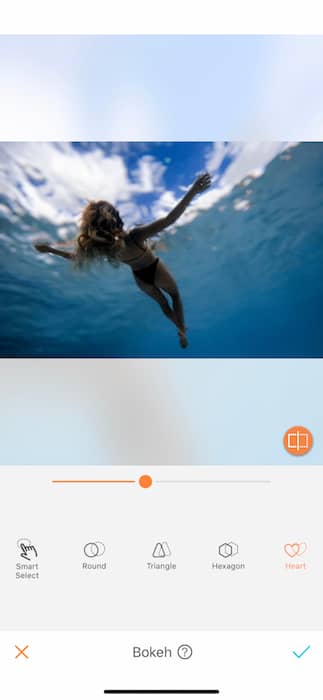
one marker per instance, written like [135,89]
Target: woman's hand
[42,247]
[144,232]
[202,183]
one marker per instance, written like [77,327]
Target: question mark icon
[185,651]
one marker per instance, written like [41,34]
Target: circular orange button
[298,440]
[145,481]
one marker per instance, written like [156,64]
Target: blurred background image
[265,258]
[247,254]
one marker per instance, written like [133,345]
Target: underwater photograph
[161,250]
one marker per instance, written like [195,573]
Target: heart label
[296,549]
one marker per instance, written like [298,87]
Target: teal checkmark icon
[299,656]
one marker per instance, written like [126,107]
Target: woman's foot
[182,339]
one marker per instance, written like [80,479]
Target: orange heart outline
[296,549]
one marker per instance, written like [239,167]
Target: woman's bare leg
[165,281]
[157,294]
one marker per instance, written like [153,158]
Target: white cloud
[149,174]
[217,154]
[66,179]
[164,204]
[247,159]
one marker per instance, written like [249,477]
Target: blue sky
[181,160]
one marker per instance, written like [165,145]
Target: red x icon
[21,652]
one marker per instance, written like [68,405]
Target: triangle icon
[159,551]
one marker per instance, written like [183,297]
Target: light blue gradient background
[159,88]
[146,412]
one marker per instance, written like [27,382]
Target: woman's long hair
[98,236]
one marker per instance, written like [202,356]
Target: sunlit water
[249,270]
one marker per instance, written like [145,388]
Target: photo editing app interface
[161,440]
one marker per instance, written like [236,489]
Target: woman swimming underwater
[102,235]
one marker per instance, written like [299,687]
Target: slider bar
[93,481]
[212,481]
[161,692]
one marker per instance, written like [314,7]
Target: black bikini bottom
[147,274]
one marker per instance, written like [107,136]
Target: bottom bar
[162,692]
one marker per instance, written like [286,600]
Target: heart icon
[296,549]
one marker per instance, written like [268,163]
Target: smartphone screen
[161,342]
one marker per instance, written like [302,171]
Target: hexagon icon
[228,549]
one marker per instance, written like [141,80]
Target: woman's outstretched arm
[44,248]
[143,232]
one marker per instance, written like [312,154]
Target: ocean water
[249,270]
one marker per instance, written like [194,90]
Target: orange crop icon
[298,440]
